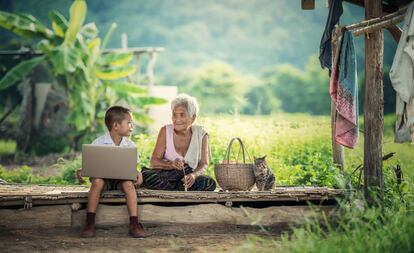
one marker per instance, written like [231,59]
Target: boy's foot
[136,230]
[88,230]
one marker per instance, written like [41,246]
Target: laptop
[111,162]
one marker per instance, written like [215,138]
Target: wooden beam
[379,25]
[395,32]
[373,106]
[203,214]
[376,20]
[46,217]
[385,7]
[38,217]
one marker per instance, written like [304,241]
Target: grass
[7,147]
[24,174]
[354,227]
[297,147]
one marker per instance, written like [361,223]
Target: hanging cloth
[325,53]
[344,93]
[402,79]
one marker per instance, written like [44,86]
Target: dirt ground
[166,238]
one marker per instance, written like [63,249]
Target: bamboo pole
[376,20]
[378,26]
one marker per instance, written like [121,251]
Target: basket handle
[242,148]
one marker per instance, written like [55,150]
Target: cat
[265,179]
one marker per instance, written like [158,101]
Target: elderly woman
[181,154]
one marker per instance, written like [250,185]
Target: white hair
[188,102]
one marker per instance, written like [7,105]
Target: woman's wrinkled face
[180,118]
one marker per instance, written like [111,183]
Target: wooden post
[373,106]
[150,68]
[26,118]
[337,149]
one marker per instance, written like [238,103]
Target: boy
[118,121]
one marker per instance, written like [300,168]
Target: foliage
[90,77]
[300,91]
[359,228]
[353,227]
[218,87]
[65,175]
[249,35]
[297,146]
[7,147]
[260,101]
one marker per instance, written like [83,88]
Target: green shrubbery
[354,227]
[297,146]
[66,174]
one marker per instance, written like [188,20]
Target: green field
[297,148]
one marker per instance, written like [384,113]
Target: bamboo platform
[34,195]
[50,206]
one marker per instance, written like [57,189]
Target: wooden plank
[38,217]
[42,195]
[202,214]
[38,202]
[373,104]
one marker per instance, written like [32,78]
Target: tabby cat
[265,179]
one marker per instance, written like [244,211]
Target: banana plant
[93,80]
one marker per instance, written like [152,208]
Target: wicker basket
[235,176]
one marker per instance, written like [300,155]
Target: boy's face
[125,127]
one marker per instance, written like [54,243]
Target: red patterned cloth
[344,93]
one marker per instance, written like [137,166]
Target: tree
[91,79]
[260,101]
[218,87]
[300,91]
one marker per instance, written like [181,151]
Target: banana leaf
[116,59]
[144,102]
[108,35]
[129,88]
[141,119]
[24,25]
[59,23]
[114,73]
[77,16]
[94,51]
[19,72]
[89,30]
[65,59]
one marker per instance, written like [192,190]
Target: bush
[66,174]
[7,147]
[354,227]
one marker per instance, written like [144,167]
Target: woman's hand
[139,180]
[189,180]
[177,164]
[79,176]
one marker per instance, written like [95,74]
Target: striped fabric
[171,180]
